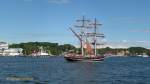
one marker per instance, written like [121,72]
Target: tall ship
[87,32]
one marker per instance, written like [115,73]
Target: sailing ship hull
[81,58]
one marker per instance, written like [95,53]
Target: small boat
[41,52]
[88,37]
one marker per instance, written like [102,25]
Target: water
[55,70]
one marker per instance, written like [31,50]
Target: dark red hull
[81,58]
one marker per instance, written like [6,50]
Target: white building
[6,51]
[3,45]
[13,52]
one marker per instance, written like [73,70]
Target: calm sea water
[55,70]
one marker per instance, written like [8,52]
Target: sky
[126,22]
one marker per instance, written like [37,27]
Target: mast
[82,26]
[96,24]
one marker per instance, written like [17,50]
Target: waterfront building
[6,51]
[13,52]
[3,45]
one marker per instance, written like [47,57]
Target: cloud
[124,41]
[141,30]
[53,1]
[40,35]
[132,20]
[127,44]
[59,1]
[27,0]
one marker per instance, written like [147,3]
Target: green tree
[51,48]
[137,51]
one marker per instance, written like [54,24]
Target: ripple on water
[55,70]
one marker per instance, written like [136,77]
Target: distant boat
[89,39]
[40,53]
[145,56]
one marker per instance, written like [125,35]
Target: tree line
[56,49]
[131,51]
[51,48]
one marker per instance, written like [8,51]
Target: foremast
[83,27]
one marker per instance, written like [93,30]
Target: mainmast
[96,34]
[83,27]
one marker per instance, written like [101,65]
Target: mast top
[95,23]
[83,22]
